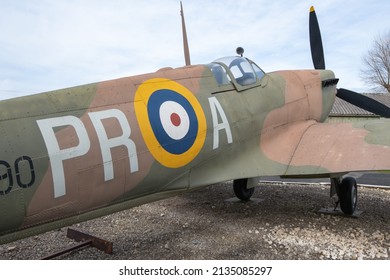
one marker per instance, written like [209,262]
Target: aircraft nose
[330,82]
[328,90]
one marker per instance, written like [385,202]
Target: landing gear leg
[346,190]
[241,190]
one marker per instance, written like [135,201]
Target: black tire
[240,190]
[348,195]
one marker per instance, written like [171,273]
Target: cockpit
[235,68]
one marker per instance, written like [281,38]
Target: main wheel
[348,195]
[241,191]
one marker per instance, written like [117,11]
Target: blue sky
[46,45]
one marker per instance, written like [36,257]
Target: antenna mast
[185,40]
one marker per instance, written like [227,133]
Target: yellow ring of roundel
[142,95]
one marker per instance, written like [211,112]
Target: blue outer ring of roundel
[172,146]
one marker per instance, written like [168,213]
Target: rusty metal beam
[86,240]
[67,250]
[101,244]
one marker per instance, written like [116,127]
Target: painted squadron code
[172,114]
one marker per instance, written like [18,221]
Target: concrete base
[338,212]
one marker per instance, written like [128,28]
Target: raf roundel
[171,120]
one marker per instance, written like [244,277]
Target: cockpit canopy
[242,70]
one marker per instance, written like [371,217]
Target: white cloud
[46,44]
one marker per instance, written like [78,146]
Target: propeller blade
[317,54]
[317,51]
[364,102]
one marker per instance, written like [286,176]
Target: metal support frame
[86,240]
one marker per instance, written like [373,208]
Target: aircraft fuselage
[83,152]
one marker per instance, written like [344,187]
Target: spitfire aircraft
[79,153]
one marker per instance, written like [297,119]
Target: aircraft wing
[311,148]
[304,149]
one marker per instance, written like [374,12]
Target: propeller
[317,53]
[364,102]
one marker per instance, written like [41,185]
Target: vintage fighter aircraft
[79,153]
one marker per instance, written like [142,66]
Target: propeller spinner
[352,97]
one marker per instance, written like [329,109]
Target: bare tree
[376,71]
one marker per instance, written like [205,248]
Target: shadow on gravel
[281,222]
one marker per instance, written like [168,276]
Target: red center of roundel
[175,119]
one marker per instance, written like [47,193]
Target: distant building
[343,111]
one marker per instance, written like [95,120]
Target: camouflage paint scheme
[75,154]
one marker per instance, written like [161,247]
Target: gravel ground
[281,222]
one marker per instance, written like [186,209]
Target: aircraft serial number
[13,174]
